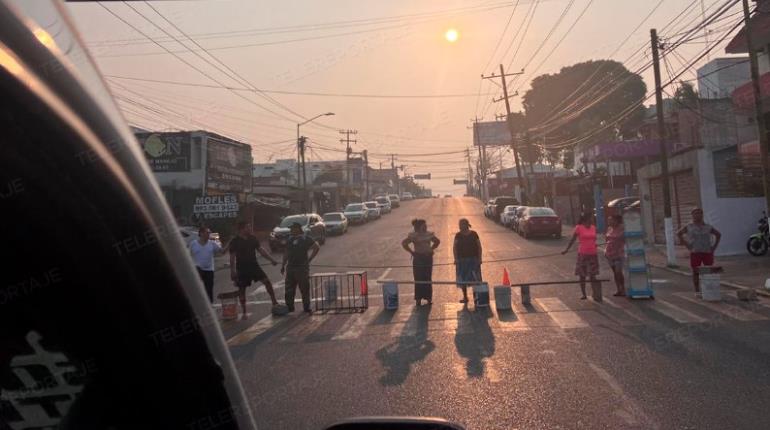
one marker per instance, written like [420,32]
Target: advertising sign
[422,176]
[210,207]
[460,181]
[166,152]
[493,133]
[228,166]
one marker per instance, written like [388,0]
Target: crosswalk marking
[631,316]
[676,313]
[560,313]
[731,311]
[457,319]
[355,325]
[252,332]
[303,328]
[400,321]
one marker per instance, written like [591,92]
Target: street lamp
[301,157]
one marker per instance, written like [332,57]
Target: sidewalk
[740,271]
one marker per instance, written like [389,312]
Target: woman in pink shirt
[614,251]
[587,265]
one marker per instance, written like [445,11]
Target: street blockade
[481,295]
[503,298]
[390,295]
[339,292]
[229,303]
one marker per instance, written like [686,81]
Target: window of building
[738,171]
[197,153]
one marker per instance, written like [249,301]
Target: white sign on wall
[222,206]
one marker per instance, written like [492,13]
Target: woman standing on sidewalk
[424,242]
[587,265]
[615,252]
[467,253]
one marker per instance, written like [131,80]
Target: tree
[685,96]
[582,99]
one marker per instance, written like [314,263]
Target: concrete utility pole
[668,224]
[506,98]
[366,174]
[758,106]
[469,187]
[302,141]
[482,170]
[395,172]
[348,152]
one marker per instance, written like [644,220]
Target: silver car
[373,210]
[335,222]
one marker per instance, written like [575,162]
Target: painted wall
[735,218]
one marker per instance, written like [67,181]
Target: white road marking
[731,311]
[400,320]
[560,313]
[255,330]
[455,320]
[630,312]
[676,313]
[261,288]
[304,328]
[355,325]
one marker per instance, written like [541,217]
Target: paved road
[674,362]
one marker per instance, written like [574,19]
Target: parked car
[190,233]
[406,196]
[506,217]
[395,201]
[540,222]
[500,202]
[311,224]
[356,213]
[383,203]
[335,222]
[373,210]
[488,208]
[517,217]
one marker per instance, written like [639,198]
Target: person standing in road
[296,266]
[202,251]
[696,236]
[424,242]
[587,265]
[467,253]
[614,251]
[244,267]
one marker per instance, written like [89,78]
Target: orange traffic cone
[506,279]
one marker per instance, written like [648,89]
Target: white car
[383,203]
[356,213]
[406,196]
[373,210]
[507,215]
[395,201]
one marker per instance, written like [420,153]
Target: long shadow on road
[411,347]
[474,339]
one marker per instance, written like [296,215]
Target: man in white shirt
[203,251]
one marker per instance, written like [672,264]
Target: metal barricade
[339,292]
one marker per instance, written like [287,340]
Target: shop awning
[760,27]
[743,96]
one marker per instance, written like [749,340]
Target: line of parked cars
[334,223]
[528,221]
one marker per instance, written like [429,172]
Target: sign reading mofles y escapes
[210,207]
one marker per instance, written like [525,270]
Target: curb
[728,284]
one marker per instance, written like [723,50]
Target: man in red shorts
[696,236]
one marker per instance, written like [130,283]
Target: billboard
[166,152]
[492,133]
[228,166]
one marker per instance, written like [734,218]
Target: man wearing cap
[296,266]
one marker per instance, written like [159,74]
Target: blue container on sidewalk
[481,295]
[390,295]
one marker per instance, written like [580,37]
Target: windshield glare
[371,205]
[289,220]
[354,208]
[541,212]
[333,217]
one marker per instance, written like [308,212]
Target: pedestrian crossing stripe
[458,318]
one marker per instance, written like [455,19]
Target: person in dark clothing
[424,243]
[467,253]
[296,266]
[244,267]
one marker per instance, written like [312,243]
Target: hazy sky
[395,48]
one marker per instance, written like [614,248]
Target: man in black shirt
[244,267]
[298,262]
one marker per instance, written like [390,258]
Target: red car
[540,222]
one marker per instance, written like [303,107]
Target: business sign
[166,152]
[209,207]
[494,133]
[422,176]
[461,182]
[228,166]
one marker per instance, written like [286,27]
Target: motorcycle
[759,242]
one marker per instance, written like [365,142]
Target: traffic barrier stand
[390,295]
[481,295]
[229,303]
[339,292]
[503,298]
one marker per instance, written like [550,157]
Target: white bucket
[390,295]
[503,298]
[710,287]
[481,295]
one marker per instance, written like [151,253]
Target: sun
[451,35]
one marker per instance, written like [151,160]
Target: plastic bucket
[481,295]
[390,295]
[710,287]
[502,298]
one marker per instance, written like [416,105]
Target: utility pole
[366,174]
[469,187]
[348,152]
[395,172]
[302,141]
[758,105]
[668,224]
[510,125]
[482,170]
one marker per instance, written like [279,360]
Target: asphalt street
[672,362]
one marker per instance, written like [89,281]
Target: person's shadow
[474,339]
[410,347]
